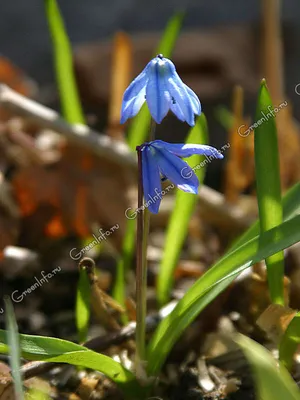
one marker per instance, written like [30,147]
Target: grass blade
[57,350]
[272,383]
[290,342]
[12,337]
[212,283]
[168,40]
[268,185]
[83,304]
[70,102]
[185,204]
[123,264]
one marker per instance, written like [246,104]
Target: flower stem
[152,130]
[141,276]
[143,223]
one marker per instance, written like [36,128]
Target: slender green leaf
[83,305]
[185,204]
[70,102]
[272,382]
[137,134]
[124,263]
[268,185]
[168,40]
[290,342]
[12,337]
[62,351]
[212,283]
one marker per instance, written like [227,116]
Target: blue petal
[178,91]
[174,107]
[187,150]
[156,91]
[151,180]
[177,171]
[134,96]
[194,100]
[133,106]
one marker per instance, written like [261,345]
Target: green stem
[141,275]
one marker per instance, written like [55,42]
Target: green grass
[212,283]
[271,382]
[268,186]
[62,351]
[62,51]
[12,339]
[83,305]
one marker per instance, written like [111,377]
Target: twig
[101,343]
[98,144]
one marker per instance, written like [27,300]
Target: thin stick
[100,145]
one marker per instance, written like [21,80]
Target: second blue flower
[162,159]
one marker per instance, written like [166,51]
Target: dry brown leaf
[6,383]
[79,191]
[275,320]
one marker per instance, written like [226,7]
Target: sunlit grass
[268,188]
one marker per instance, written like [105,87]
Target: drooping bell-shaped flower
[163,90]
[162,159]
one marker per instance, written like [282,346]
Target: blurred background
[220,46]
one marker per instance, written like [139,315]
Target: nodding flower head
[162,160]
[163,90]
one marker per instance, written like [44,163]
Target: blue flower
[163,90]
[162,159]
